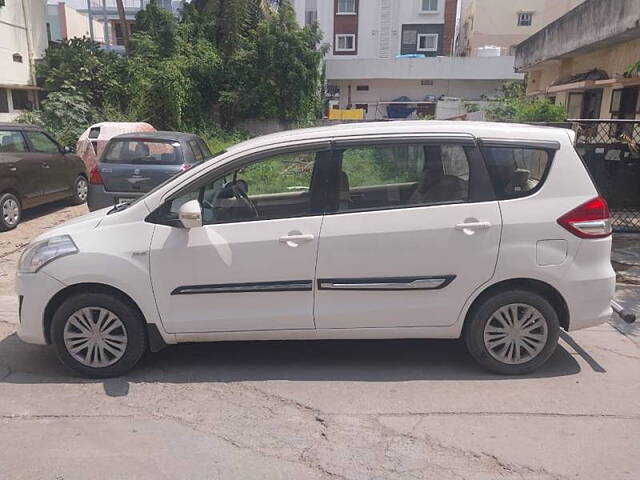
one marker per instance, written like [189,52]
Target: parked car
[134,163]
[91,143]
[35,169]
[490,232]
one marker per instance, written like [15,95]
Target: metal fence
[611,150]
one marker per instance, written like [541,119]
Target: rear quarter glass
[517,171]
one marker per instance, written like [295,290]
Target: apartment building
[65,22]
[583,60]
[495,27]
[390,57]
[97,19]
[23,39]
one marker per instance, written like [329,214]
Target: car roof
[159,135]
[488,130]
[19,126]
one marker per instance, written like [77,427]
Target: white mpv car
[490,232]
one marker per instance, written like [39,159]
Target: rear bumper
[99,198]
[590,284]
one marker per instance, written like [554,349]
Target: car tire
[10,212]
[513,332]
[107,324]
[80,190]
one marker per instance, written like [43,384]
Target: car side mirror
[190,214]
[67,149]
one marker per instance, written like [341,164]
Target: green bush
[515,106]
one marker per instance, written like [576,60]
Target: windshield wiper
[119,207]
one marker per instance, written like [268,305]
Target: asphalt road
[346,410]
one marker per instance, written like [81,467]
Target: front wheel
[10,212]
[513,332]
[98,334]
[80,190]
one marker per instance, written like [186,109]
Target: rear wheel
[512,332]
[99,335]
[10,211]
[80,190]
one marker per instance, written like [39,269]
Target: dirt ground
[35,221]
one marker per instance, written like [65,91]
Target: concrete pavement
[352,410]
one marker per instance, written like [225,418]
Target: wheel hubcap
[95,337]
[10,211]
[515,333]
[82,188]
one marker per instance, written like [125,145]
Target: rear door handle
[45,165]
[473,226]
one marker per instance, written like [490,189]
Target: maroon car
[35,169]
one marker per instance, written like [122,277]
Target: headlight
[40,253]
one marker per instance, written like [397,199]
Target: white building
[369,64]
[493,27]
[23,38]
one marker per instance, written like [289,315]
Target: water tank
[489,51]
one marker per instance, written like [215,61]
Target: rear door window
[142,152]
[517,171]
[395,176]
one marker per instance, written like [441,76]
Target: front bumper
[98,197]
[36,290]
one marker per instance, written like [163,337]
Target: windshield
[143,152]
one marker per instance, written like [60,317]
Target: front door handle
[295,239]
[45,165]
[473,226]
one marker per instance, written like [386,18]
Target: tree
[100,77]
[278,73]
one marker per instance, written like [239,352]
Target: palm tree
[123,23]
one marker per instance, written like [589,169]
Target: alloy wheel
[11,212]
[95,337]
[82,189]
[515,333]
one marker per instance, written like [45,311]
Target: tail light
[589,220]
[94,176]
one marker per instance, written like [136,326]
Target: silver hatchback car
[134,163]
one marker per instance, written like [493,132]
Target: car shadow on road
[335,360]
[43,210]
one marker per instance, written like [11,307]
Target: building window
[427,42]
[525,19]
[4,101]
[345,43]
[333,90]
[21,100]
[362,88]
[363,106]
[625,103]
[584,104]
[346,7]
[310,17]
[17,58]
[426,83]
[429,6]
